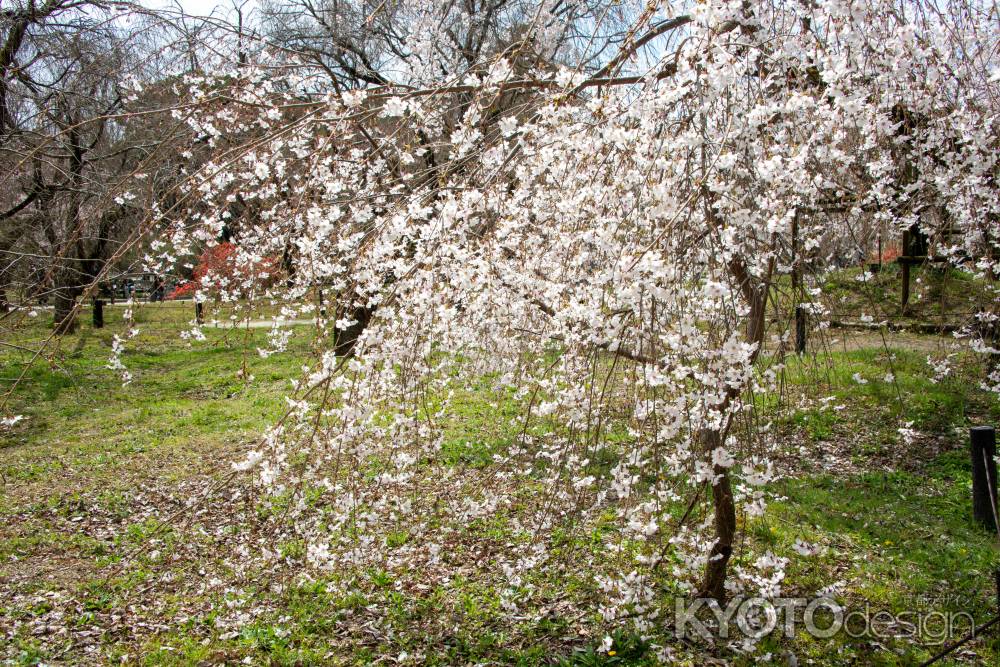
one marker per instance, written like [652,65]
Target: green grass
[184,397]
[894,382]
[937,295]
[908,542]
[895,525]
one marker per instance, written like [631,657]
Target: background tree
[86,153]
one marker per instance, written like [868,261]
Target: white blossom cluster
[579,248]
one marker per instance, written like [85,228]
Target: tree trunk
[5,280]
[754,292]
[714,584]
[64,319]
[344,339]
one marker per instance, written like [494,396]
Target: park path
[844,340]
[215,324]
[255,324]
[833,339]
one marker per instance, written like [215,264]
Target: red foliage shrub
[219,260]
[889,254]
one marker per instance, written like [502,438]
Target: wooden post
[797,293]
[984,474]
[98,313]
[199,312]
[880,251]
[905,262]
[800,330]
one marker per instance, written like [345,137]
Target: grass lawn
[115,516]
[938,296]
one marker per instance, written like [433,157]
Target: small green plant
[626,648]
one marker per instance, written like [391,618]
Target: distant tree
[85,154]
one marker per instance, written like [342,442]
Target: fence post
[98,313]
[880,251]
[797,292]
[984,474]
[199,312]
[904,261]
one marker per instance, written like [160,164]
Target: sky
[200,7]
